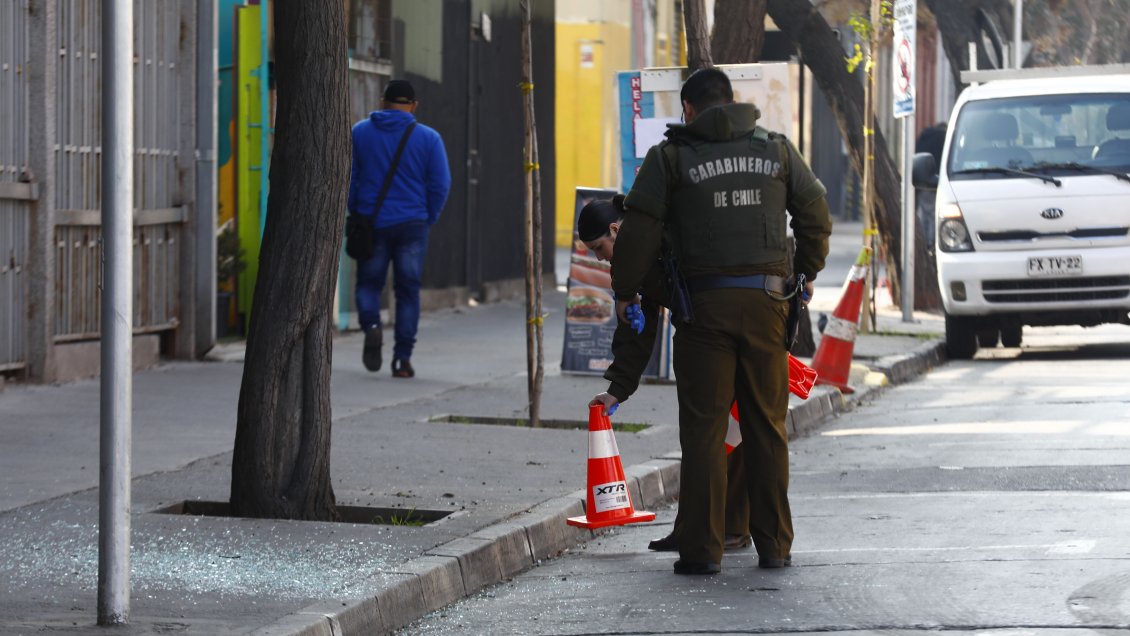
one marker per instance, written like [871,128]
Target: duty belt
[768,282]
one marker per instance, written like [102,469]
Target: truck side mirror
[924,171]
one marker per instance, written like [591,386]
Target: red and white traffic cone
[832,361]
[608,501]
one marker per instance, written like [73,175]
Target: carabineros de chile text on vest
[730,165]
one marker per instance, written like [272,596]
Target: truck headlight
[953,236]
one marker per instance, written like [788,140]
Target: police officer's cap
[597,215]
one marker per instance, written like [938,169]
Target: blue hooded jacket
[421,184]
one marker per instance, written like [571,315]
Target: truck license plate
[1054,265]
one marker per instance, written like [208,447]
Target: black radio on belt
[792,327]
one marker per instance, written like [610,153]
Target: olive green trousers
[733,350]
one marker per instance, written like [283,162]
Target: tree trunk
[281,464]
[824,56]
[957,24]
[535,354]
[739,31]
[698,42]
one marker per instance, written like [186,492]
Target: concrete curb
[498,552]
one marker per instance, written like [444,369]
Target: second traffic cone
[801,378]
[832,361]
[608,501]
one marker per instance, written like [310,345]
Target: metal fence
[163,129]
[158,127]
[14,195]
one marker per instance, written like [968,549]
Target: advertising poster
[590,310]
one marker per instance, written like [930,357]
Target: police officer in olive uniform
[720,187]
[597,227]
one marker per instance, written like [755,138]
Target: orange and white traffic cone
[801,379]
[608,501]
[833,356]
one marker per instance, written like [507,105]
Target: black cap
[399,92]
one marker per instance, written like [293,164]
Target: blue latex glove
[635,317]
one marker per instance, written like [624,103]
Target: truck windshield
[1054,134]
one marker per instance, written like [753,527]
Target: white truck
[1033,203]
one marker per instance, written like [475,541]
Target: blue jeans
[405,246]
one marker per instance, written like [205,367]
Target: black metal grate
[1056,289]
[1030,235]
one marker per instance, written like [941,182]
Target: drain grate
[626,427]
[349,514]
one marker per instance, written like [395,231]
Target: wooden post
[867,317]
[535,355]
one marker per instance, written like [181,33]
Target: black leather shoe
[666,544]
[771,563]
[737,541]
[690,567]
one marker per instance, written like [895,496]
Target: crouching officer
[720,186]
[632,344]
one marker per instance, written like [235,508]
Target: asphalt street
[990,496]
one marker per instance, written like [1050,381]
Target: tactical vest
[727,202]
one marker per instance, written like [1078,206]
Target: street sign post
[903,63]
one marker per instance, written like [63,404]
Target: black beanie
[596,216]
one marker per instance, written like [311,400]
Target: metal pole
[908,218]
[1017,21]
[117,312]
[207,56]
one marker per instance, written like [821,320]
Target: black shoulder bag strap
[392,171]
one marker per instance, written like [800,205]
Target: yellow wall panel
[588,57]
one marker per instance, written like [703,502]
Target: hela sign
[902,59]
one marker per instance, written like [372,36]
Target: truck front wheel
[1011,335]
[988,338]
[961,337]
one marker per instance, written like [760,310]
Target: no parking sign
[906,18]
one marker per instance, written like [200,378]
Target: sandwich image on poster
[588,305]
[586,270]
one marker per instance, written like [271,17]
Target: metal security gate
[50,181]
[159,124]
[15,194]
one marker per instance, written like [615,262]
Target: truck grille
[1056,289]
[1029,235]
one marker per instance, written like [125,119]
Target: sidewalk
[397,444]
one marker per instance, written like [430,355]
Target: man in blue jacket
[415,196]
